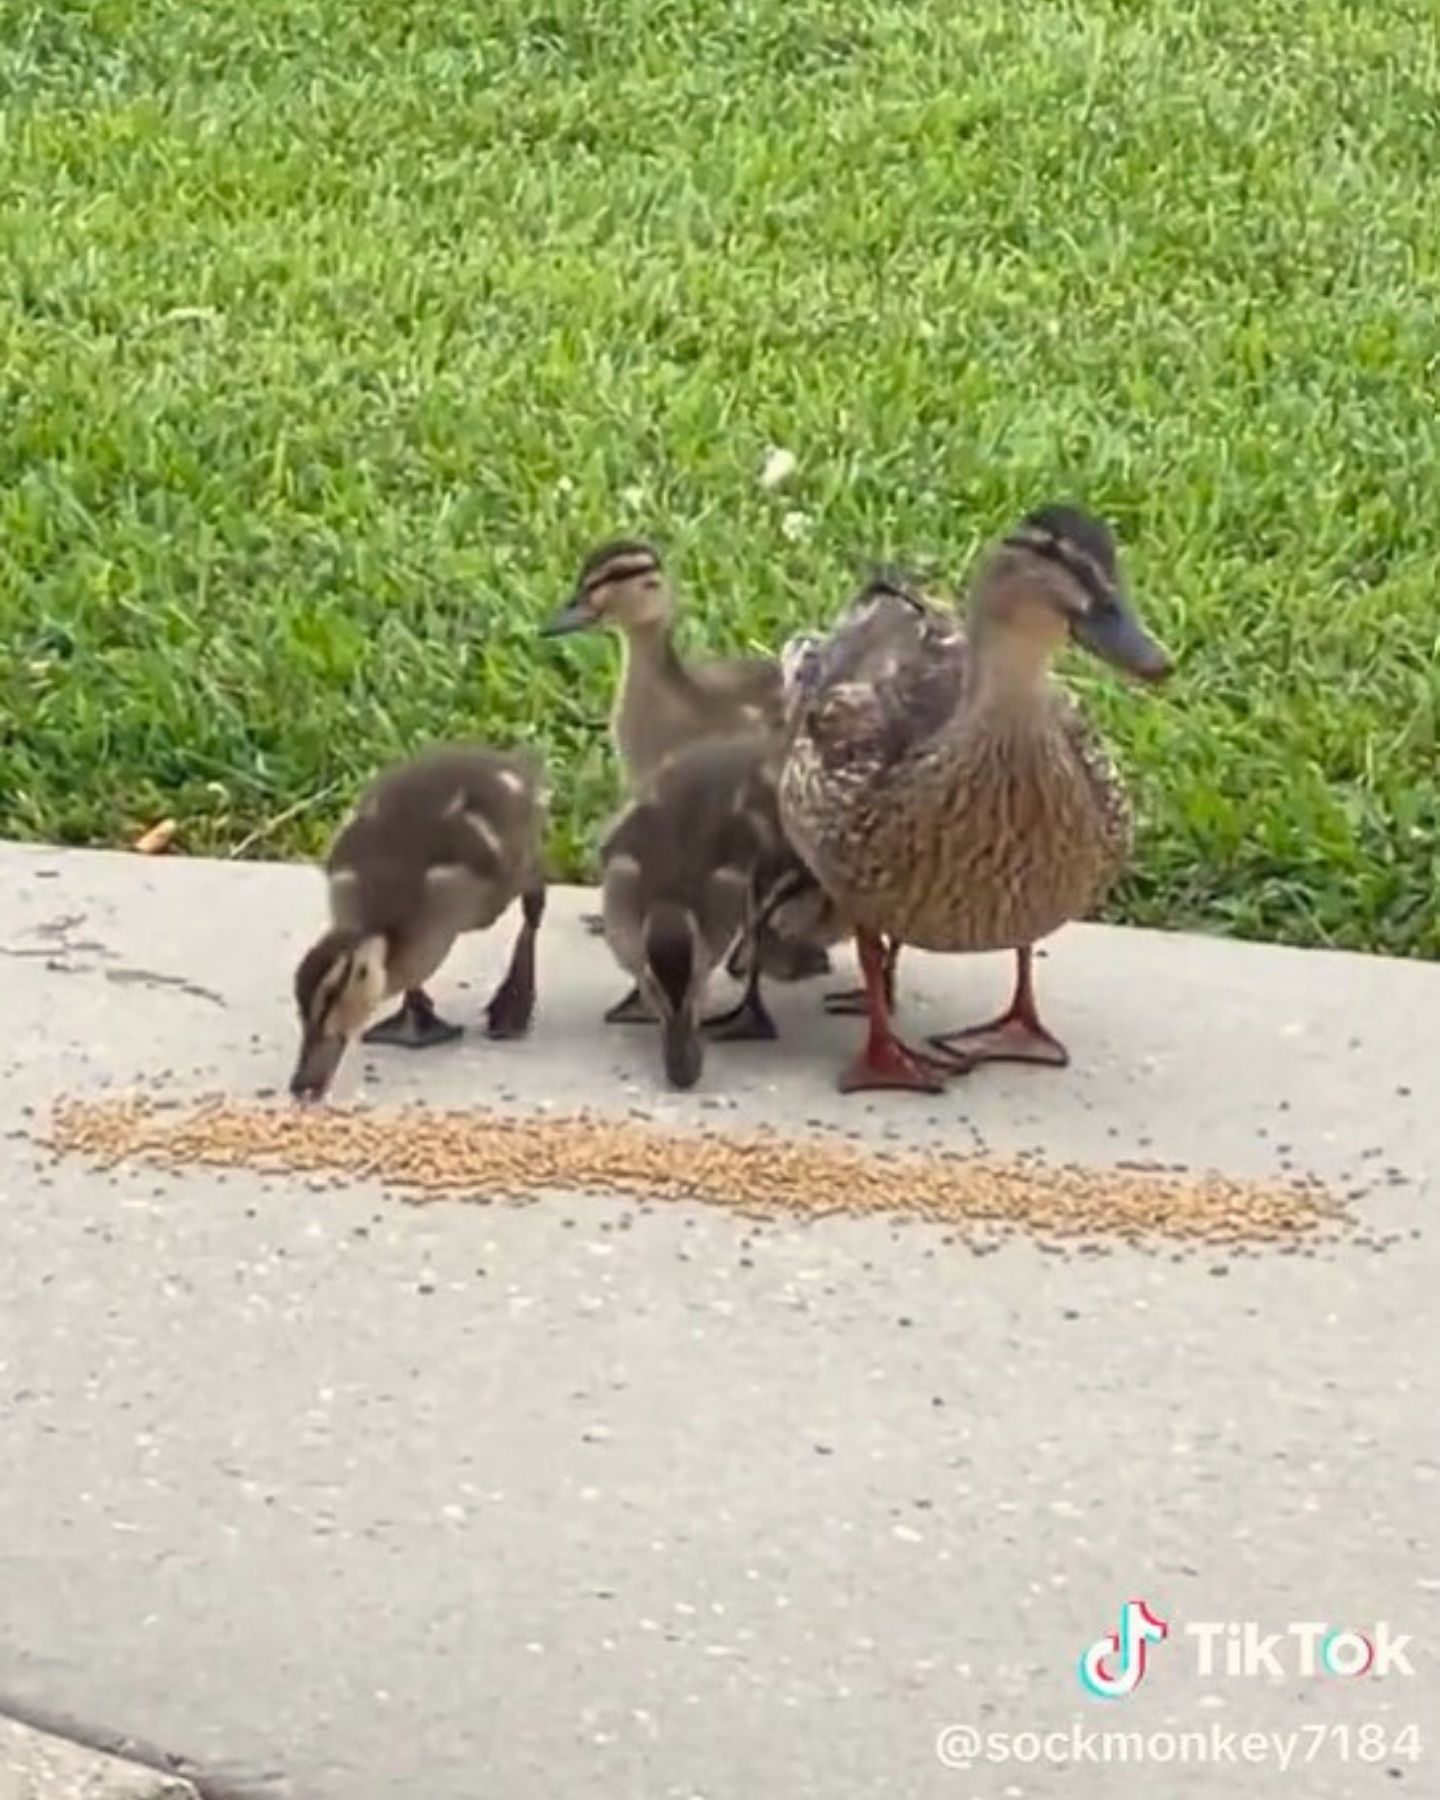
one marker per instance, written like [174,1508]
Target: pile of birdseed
[482,1155]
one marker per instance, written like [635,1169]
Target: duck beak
[575,615]
[1115,635]
[320,1057]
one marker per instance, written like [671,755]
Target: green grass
[333,331]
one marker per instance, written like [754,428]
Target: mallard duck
[663,702]
[437,846]
[947,793]
[685,869]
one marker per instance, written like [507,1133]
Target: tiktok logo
[1114,1665]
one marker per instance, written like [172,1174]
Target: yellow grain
[482,1155]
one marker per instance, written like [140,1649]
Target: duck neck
[1010,675]
[649,648]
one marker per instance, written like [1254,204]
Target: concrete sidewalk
[337,1497]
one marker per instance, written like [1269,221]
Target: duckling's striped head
[1064,560]
[340,981]
[622,583]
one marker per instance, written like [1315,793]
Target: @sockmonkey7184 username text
[968,1747]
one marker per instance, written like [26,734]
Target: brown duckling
[437,846]
[663,702]
[684,870]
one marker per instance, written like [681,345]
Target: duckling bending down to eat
[947,793]
[437,846]
[685,869]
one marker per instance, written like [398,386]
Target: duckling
[437,846]
[947,794]
[682,871]
[663,703]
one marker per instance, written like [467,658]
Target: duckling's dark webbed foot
[845,1002]
[594,923]
[415,1025]
[632,1010]
[748,1022]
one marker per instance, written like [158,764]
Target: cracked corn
[483,1155]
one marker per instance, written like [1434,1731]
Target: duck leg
[851,1001]
[512,1005]
[593,923]
[886,1062]
[415,1025]
[1016,1036]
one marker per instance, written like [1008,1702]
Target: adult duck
[947,793]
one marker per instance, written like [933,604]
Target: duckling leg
[594,923]
[848,1001]
[782,959]
[512,1005]
[415,1025]
[750,1020]
[1016,1036]
[886,1062]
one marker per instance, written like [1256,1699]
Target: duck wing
[1093,758]
[730,682]
[886,679]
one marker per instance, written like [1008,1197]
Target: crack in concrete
[154,978]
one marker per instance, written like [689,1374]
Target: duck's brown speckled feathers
[888,677]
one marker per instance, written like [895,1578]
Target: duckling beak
[320,1057]
[575,615]
[1115,635]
